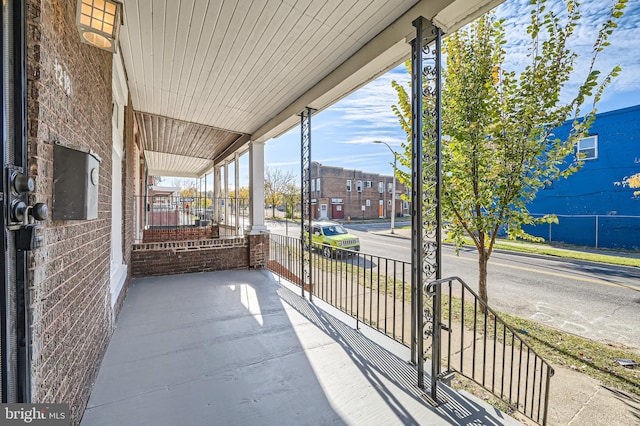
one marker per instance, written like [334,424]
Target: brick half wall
[182,257]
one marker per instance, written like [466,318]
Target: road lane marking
[523,268]
[392,245]
[554,274]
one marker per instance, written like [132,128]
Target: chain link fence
[598,231]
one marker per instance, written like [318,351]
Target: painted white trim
[256,186]
[119,80]
[118,268]
[117,279]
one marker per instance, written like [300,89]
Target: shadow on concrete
[201,349]
[236,347]
[631,401]
[380,366]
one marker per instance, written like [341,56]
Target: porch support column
[305,199]
[426,179]
[226,193]
[236,185]
[256,188]
[216,194]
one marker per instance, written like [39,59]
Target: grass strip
[578,254]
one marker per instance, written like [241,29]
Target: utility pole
[393,190]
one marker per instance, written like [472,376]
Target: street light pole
[393,190]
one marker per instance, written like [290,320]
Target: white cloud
[349,158]
[370,107]
[362,139]
[283,163]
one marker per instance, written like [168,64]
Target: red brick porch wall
[156,235]
[181,257]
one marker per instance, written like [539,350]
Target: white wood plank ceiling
[205,74]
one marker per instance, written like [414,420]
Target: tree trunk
[482,278]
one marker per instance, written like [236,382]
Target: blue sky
[342,135]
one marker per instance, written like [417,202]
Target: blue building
[592,210]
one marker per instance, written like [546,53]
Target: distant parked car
[329,237]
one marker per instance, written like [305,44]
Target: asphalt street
[594,300]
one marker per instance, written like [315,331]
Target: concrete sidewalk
[405,233]
[575,398]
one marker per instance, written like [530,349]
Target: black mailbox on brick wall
[75,184]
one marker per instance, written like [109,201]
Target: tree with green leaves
[276,184]
[243,193]
[498,145]
[291,197]
[188,192]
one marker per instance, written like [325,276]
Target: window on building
[588,148]
[405,205]
[381,187]
[359,185]
[368,203]
[369,184]
[348,185]
[390,187]
[313,185]
[318,184]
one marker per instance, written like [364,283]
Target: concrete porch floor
[237,347]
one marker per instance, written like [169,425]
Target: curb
[389,235]
[630,269]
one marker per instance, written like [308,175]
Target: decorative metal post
[305,199]
[426,179]
[416,202]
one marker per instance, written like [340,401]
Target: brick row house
[338,193]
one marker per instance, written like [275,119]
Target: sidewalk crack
[575,416]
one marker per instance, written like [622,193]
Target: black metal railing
[470,339]
[374,290]
[169,217]
[459,329]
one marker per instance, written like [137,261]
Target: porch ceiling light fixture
[99,22]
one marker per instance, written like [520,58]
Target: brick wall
[130,166]
[258,251]
[154,235]
[181,257]
[69,100]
